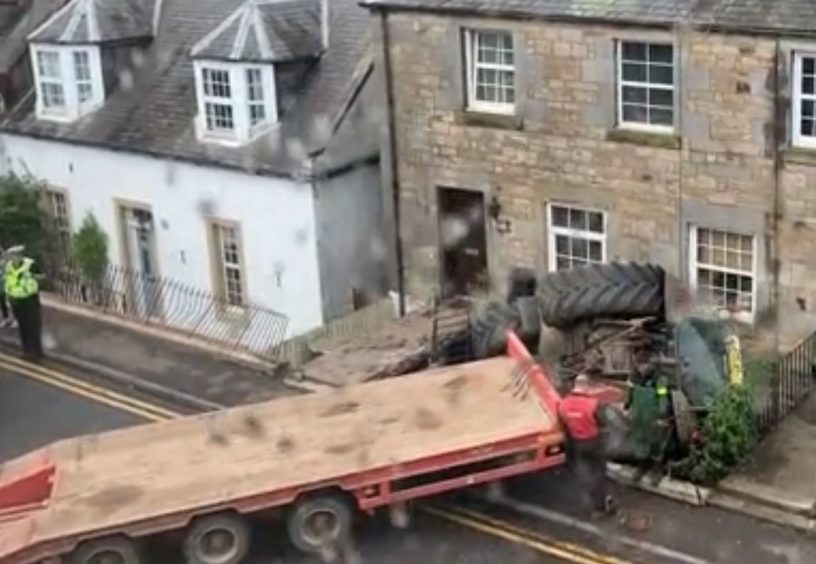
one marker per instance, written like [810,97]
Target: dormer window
[68,81]
[236,101]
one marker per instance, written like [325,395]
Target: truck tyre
[218,539]
[602,290]
[320,524]
[489,330]
[112,550]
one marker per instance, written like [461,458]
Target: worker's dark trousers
[4,308]
[29,321]
[589,464]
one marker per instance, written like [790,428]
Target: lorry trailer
[315,460]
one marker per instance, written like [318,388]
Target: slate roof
[156,116]
[18,24]
[96,21]
[770,16]
[267,30]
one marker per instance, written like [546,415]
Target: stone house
[545,134]
[228,145]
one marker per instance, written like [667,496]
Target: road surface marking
[528,538]
[77,387]
[521,531]
[544,514]
[151,412]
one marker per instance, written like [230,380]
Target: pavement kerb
[762,511]
[763,495]
[242,359]
[164,393]
[671,488]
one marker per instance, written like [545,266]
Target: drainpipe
[393,148]
[324,17]
[780,119]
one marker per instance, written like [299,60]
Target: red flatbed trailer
[318,456]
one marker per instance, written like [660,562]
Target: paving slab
[782,470]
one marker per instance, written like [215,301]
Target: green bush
[727,437]
[22,221]
[89,248]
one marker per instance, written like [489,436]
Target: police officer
[579,413]
[23,292]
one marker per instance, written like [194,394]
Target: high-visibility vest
[20,282]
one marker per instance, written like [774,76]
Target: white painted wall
[276,216]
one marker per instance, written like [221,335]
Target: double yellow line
[565,551]
[473,520]
[83,389]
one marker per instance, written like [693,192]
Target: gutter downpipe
[393,148]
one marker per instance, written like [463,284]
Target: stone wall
[722,169]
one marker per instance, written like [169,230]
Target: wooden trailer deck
[142,473]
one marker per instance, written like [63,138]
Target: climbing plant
[727,437]
[22,220]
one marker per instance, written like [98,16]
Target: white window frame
[60,215]
[798,96]
[470,75]
[72,108]
[742,316]
[553,231]
[222,267]
[635,125]
[243,131]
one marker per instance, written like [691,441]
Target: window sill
[647,138]
[490,120]
[799,155]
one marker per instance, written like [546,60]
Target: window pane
[217,83]
[637,114]
[84,92]
[633,51]
[660,117]
[807,85]
[807,108]
[661,97]
[53,95]
[48,64]
[808,65]
[634,94]
[560,216]
[562,245]
[82,67]
[634,72]
[219,117]
[255,90]
[563,263]
[661,74]
[807,127]
[596,223]
[580,248]
[578,219]
[660,53]
[595,251]
[746,284]
[704,236]
[717,238]
[703,254]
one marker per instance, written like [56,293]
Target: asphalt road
[537,522]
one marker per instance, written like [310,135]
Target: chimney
[324,21]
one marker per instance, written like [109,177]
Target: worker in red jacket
[578,412]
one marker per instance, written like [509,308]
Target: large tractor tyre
[218,539]
[490,329]
[625,290]
[116,549]
[321,525]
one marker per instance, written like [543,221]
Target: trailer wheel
[111,550]
[321,523]
[218,539]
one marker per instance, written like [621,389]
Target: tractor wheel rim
[321,526]
[218,546]
[107,556]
